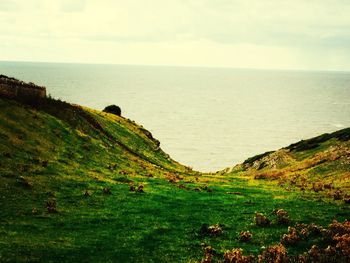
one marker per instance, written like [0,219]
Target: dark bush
[213,230]
[51,205]
[107,191]
[245,236]
[140,189]
[114,109]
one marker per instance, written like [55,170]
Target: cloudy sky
[278,34]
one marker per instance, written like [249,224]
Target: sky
[270,34]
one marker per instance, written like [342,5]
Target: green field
[65,177]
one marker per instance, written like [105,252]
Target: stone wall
[12,88]
[8,91]
[30,92]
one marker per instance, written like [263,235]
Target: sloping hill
[321,164]
[80,185]
[57,132]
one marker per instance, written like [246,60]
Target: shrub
[282,217]
[213,230]
[330,251]
[45,163]
[318,186]
[269,175]
[132,188]
[343,244]
[208,255]
[24,182]
[140,189]
[337,195]
[51,205]
[347,199]
[291,238]
[113,109]
[245,236]
[274,254]
[328,186]
[314,253]
[236,256]
[106,191]
[339,228]
[261,220]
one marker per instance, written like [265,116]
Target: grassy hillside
[320,164]
[80,185]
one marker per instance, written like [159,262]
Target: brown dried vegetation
[282,217]
[261,220]
[245,236]
[236,256]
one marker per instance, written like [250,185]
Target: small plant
[7,155]
[140,188]
[261,220]
[274,254]
[330,251]
[282,217]
[338,195]
[328,186]
[291,238]
[236,256]
[314,253]
[245,236]
[112,166]
[213,230]
[51,205]
[339,228]
[317,187]
[315,229]
[24,182]
[107,191]
[132,188]
[45,163]
[208,254]
[343,244]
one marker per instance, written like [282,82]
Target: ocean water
[207,118]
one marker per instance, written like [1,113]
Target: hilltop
[79,184]
[321,164]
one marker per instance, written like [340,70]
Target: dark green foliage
[114,109]
[303,145]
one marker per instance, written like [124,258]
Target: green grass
[48,155]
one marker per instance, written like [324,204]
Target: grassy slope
[57,151]
[323,160]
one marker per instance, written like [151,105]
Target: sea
[206,118]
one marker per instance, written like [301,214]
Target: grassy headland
[80,185]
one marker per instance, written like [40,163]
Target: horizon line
[179,66]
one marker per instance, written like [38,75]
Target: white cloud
[264,34]
[73,5]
